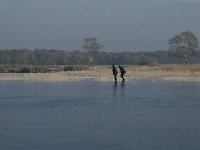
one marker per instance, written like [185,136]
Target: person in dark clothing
[185,60]
[123,71]
[115,72]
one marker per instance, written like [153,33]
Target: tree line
[183,48]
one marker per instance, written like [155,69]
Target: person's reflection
[122,91]
[123,85]
[115,90]
[115,84]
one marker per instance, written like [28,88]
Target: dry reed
[190,72]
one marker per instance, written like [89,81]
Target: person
[115,72]
[123,71]
[185,60]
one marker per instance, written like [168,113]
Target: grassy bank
[104,73]
[40,69]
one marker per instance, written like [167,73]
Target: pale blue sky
[130,25]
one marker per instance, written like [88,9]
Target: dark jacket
[122,69]
[114,69]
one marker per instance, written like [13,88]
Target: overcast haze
[130,25]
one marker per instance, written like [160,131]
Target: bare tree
[184,44]
[92,46]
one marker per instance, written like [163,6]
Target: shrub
[144,60]
[38,69]
[24,70]
[75,68]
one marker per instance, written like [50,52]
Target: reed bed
[190,72]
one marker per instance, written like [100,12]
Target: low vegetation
[104,73]
[40,69]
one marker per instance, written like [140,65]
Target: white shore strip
[61,76]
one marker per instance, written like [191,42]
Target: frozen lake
[85,115]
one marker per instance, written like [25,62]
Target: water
[139,115]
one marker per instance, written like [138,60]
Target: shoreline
[186,73]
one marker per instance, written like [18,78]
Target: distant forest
[58,57]
[183,48]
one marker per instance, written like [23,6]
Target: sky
[120,25]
